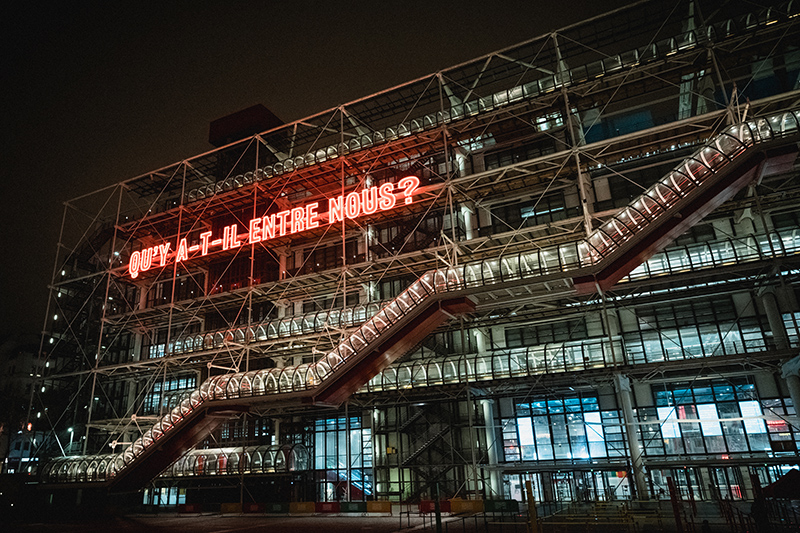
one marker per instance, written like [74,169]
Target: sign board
[297,219]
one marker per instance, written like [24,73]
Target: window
[630,184]
[546,333]
[410,234]
[319,259]
[696,234]
[530,213]
[330,452]
[509,156]
[167,394]
[751,411]
[556,428]
[725,418]
[696,328]
[392,287]
[788,220]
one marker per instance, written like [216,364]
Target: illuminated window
[558,428]
[330,452]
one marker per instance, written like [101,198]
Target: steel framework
[527,148]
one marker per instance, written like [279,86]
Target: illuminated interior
[592,284]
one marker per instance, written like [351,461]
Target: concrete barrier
[379,507]
[458,506]
[353,507]
[301,507]
[230,508]
[318,507]
[187,508]
[328,507]
[253,508]
[501,506]
[277,508]
[429,506]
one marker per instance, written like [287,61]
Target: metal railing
[653,206]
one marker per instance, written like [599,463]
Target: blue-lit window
[595,434]
[167,393]
[330,456]
[718,417]
[670,429]
[558,428]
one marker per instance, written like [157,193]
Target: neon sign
[298,219]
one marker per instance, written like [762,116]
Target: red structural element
[327,507]
[254,508]
[171,446]
[341,385]
[190,508]
[341,484]
[689,212]
[429,506]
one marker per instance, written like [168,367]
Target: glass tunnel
[266,459]
[604,244]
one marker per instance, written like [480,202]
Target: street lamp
[70,439]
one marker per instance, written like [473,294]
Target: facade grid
[257,260]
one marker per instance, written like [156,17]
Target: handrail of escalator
[655,202]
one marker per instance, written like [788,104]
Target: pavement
[576,519]
[216,523]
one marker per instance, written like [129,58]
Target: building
[260,271]
[21,369]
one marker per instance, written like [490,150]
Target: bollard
[533,520]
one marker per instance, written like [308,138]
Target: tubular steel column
[790,370]
[448,169]
[611,325]
[348,450]
[168,337]
[495,484]
[623,385]
[473,438]
[466,213]
[250,286]
[774,317]
[247,338]
[583,191]
[344,218]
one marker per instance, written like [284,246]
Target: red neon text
[295,220]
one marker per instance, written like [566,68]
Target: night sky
[96,93]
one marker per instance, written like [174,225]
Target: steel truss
[541,120]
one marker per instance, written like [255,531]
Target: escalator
[712,175]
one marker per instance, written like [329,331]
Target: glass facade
[167,394]
[331,448]
[728,414]
[573,429]
[479,332]
[717,419]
